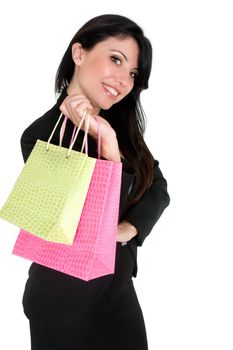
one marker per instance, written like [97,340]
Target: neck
[74,88]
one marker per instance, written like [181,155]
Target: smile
[110,91]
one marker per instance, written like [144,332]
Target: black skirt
[66,313]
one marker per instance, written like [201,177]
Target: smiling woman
[104,69]
[98,68]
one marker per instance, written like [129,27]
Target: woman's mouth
[111,92]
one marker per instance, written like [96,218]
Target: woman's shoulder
[40,128]
[42,125]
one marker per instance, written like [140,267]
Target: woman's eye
[134,75]
[114,58]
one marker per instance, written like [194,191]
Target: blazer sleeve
[146,212]
[42,127]
[39,129]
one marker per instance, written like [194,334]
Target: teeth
[111,90]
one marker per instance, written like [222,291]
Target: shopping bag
[48,196]
[93,251]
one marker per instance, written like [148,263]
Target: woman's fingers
[74,106]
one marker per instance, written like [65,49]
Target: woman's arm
[146,212]
[73,106]
[110,149]
[125,231]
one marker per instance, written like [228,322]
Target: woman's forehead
[124,42]
[128,47]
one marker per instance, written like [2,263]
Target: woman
[104,69]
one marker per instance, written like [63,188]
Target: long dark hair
[126,117]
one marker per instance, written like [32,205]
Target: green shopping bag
[49,194]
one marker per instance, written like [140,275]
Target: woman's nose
[123,77]
[123,80]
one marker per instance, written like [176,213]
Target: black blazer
[144,214]
[56,299]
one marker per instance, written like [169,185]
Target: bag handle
[99,136]
[85,136]
[74,135]
[72,138]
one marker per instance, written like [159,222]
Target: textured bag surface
[48,196]
[92,253]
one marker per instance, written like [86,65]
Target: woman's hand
[125,232]
[74,106]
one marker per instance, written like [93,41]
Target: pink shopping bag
[92,253]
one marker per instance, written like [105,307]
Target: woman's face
[106,74]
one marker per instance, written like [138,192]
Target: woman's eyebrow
[123,56]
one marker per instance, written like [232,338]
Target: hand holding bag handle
[44,176]
[62,132]
[85,136]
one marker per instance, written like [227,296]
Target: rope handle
[99,136]
[75,134]
[85,137]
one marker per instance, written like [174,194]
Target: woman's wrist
[131,228]
[109,144]
[126,231]
[110,149]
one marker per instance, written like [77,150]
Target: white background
[184,281]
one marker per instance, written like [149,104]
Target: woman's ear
[77,53]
